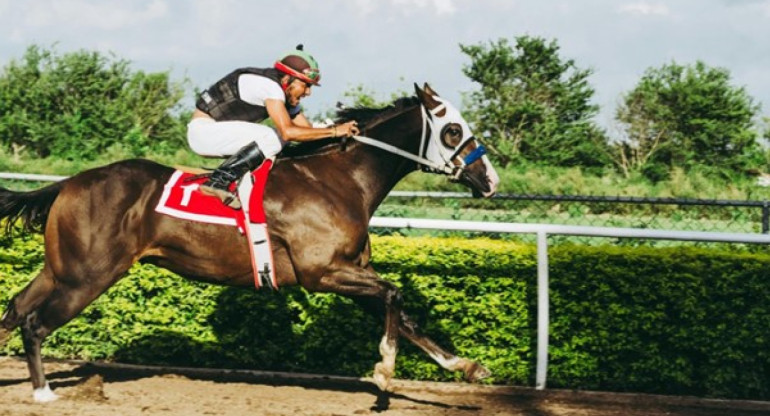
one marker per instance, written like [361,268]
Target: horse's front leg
[472,370]
[384,370]
[357,283]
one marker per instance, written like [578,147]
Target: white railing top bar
[32,177]
[588,231]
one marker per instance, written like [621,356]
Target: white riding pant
[211,138]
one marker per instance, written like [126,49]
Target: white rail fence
[542,231]
[31,177]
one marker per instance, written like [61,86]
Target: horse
[318,200]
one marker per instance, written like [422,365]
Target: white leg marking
[384,370]
[452,364]
[44,394]
[387,351]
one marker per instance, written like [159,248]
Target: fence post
[541,371]
[766,217]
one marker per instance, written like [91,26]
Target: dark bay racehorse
[319,200]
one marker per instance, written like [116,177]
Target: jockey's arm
[300,129]
[290,130]
[302,121]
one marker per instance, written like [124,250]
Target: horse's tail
[30,207]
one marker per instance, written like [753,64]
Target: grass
[539,180]
[520,179]
[523,179]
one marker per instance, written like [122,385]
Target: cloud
[214,20]
[387,44]
[440,6]
[365,7]
[755,7]
[732,3]
[407,7]
[106,15]
[645,8]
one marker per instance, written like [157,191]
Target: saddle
[181,199]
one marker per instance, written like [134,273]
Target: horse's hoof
[382,382]
[44,395]
[477,372]
[382,377]
[5,334]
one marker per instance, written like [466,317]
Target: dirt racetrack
[94,389]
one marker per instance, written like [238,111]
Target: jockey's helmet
[301,65]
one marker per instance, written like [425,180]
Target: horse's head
[450,142]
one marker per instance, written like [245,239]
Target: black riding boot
[246,159]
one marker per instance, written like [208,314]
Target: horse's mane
[366,117]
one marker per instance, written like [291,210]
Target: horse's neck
[378,171]
[367,170]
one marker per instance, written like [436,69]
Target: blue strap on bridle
[475,155]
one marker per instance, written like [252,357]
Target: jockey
[227,117]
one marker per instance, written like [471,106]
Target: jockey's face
[296,91]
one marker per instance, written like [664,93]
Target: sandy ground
[96,389]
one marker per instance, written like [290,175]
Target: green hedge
[665,320]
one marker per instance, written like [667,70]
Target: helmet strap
[285,85]
[293,72]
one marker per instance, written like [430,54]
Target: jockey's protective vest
[223,102]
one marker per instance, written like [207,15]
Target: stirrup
[228,198]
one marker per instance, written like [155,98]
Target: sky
[387,45]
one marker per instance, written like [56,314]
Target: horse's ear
[426,98]
[430,90]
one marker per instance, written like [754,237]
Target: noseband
[452,166]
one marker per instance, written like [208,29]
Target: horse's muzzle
[480,186]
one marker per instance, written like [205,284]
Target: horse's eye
[452,135]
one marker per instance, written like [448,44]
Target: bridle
[452,166]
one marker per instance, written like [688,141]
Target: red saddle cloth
[181,199]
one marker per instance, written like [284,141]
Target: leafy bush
[675,320]
[81,104]
[678,320]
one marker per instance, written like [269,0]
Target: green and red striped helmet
[301,65]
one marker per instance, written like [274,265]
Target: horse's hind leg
[472,370]
[21,312]
[32,334]
[65,302]
[25,302]
[409,329]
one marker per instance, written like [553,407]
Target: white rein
[445,168]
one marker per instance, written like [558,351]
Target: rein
[403,153]
[448,168]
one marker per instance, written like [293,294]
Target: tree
[533,104]
[683,116]
[79,104]
[358,95]
[362,96]
[765,145]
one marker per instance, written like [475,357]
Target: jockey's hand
[348,129]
